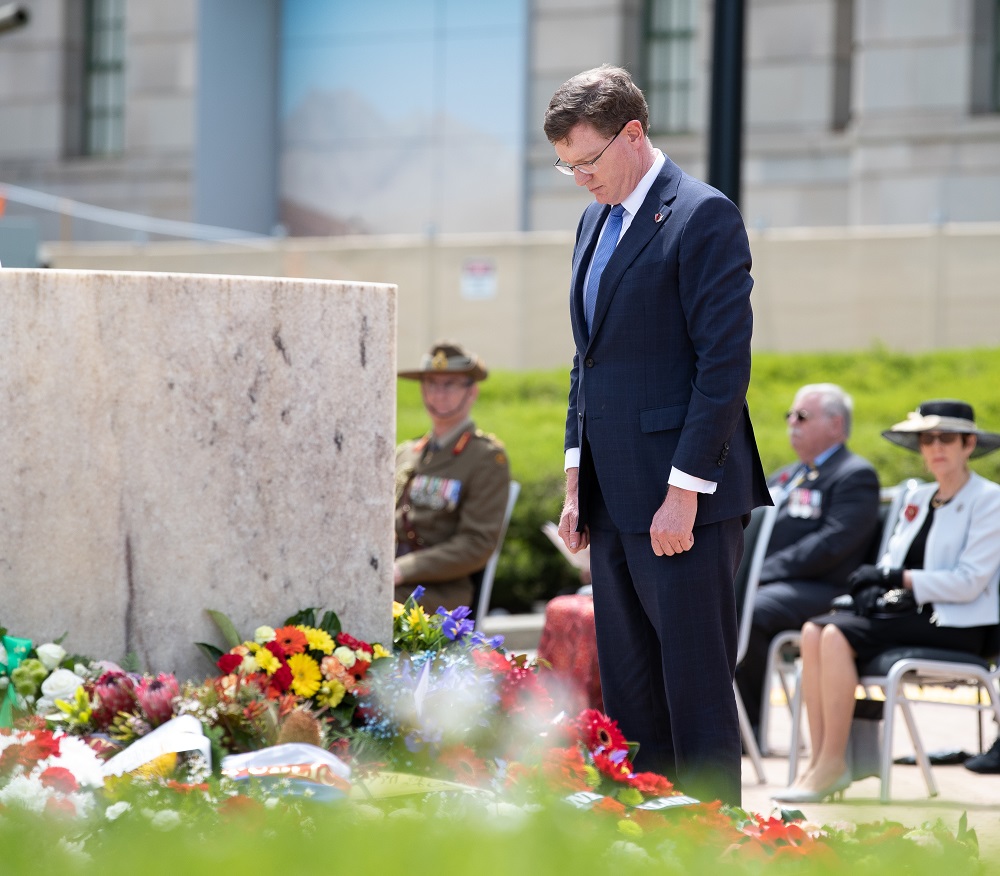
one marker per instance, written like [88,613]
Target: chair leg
[749,743]
[888,721]
[793,744]
[918,746]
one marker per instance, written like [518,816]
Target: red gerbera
[619,770]
[651,783]
[599,732]
[291,639]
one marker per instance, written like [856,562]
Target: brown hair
[605,97]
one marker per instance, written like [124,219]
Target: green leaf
[304,618]
[226,627]
[331,624]
[210,651]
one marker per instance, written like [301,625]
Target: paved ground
[942,728]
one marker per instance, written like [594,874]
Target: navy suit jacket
[661,379]
[830,545]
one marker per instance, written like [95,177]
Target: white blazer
[961,573]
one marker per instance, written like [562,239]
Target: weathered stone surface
[177,442]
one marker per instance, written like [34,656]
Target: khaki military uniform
[450,503]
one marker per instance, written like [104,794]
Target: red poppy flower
[910,512]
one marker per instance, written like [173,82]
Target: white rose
[263,635]
[346,656]
[51,655]
[60,685]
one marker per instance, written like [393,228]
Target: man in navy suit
[662,468]
[828,516]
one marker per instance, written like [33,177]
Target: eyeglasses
[926,439]
[587,167]
[799,416]
[445,386]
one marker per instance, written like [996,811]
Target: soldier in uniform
[451,485]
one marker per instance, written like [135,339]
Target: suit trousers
[666,643]
[779,606]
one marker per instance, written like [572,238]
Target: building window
[104,78]
[986,56]
[669,64]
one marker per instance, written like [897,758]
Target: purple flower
[456,623]
[418,591]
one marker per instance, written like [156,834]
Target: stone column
[172,443]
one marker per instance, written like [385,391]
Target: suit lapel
[590,227]
[653,215]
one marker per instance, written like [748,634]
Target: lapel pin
[658,217]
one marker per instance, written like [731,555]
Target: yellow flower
[318,640]
[330,693]
[267,661]
[416,615]
[397,610]
[305,674]
[378,651]
[263,634]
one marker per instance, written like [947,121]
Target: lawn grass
[527,411]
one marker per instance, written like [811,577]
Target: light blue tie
[609,240]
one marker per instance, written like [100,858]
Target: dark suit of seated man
[451,485]
[827,516]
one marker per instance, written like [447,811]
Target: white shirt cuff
[572,458]
[690,482]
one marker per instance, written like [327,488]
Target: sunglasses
[799,416]
[926,439]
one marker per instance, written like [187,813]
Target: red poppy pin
[910,512]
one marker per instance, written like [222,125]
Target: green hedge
[527,411]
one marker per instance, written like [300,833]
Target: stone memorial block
[179,442]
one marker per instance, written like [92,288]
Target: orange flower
[291,639]
[463,764]
[565,768]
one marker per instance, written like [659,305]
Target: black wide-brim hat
[448,357]
[942,415]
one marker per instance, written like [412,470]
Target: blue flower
[456,623]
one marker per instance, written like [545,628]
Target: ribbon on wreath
[17,650]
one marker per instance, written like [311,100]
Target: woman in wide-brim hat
[937,585]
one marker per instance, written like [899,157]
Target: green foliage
[527,410]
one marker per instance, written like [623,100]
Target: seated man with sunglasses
[828,505]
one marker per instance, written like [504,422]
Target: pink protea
[114,692]
[156,697]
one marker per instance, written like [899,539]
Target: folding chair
[482,581]
[755,539]
[783,651]
[894,669]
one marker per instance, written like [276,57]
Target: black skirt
[870,636]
